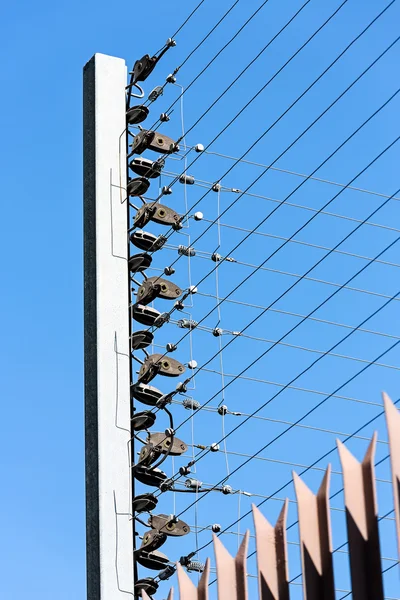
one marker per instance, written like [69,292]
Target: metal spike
[187,589]
[232,581]
[393,426]
[315,539]
[273,578]
[362,523]
[240,564]
[202,592]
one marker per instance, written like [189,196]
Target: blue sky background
[44,48]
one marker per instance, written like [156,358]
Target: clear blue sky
[44,47]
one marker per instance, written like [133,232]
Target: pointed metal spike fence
[315,536]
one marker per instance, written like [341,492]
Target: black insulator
[147,584]
[152,477]
[137,114]
[138,186]
[146,240]
[144,503]
[146,315]
[146,168]
[139,262]
[141,339]
[146,394]
[143,420]
[154,560]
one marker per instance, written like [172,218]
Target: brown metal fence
[315,536]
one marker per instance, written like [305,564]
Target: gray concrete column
[107,400]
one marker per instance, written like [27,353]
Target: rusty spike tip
[203,583]
[219,548]
[390,408]
[242,551]
[370,453]
[259,518]
[393,427]
[325,483]
[323,490]
[187,590]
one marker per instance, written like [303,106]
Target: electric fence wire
[315,280]
[311,428]
[287,172]
[217,296]
[299,315]
[204,254]
[296,233]
[202,495]
[203,453]
[269,199]
[304,180]
[363,268]
[306,469]
[290,387]
[204,39]
[298,421]
[380,518]
[291,106]
[296,464]
[182,25]
[223,259]
[168,110]
[262,89]
[325,455]
[329,296]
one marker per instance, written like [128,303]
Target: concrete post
[107,397]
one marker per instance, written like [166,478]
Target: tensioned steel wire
[203,495]
[196,373]
[329,452]
[308,467]
[168,110]
[206,255]
[350,436]
[269,81]
[301,184]
[282,154]
[182,25]
[303,417]
[220,21]
[300,229]
[279,170]
[286,111]
[203,453]
[300,322]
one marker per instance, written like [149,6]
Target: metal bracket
[156,287]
